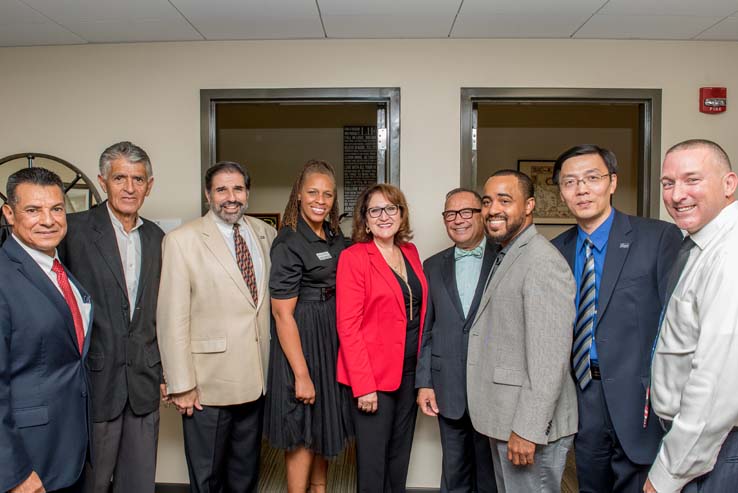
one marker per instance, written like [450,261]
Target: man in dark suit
[456,278]
[44,322]
[116,255]
[618,317]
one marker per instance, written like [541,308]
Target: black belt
[317,294]
[594,370]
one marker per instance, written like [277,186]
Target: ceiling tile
[726,30]
[582,8]
[388,18]
[15,12]
[516,26]
[135,31]
[253,19]
[68,11]
[32,34]
[644,27]
[711,8]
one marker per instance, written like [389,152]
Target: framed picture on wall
[271,218]
[550,209]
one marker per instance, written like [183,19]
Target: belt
[317,294]
[594,369]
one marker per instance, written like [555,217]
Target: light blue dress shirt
[467,276]
[599,238]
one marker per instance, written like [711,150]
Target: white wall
[74,101]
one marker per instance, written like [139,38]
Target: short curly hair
[395,196]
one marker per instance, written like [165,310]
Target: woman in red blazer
[381,297]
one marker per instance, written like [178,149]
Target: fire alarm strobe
[713,99]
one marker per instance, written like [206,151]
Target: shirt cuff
[663,481]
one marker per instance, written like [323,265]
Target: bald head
[716,154]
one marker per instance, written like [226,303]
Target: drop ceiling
[66,22]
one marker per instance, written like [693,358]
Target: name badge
[323,255]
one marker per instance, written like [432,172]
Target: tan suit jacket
[212,335]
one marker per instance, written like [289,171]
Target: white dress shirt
[46,263]
[248,235]
[695,365]
[129,248]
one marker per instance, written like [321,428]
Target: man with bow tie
[456,278]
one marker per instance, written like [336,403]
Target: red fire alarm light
[713,99]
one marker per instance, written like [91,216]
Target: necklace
[398,267]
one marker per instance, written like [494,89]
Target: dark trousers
[384,440]
[77,487]
[222,447]
[724,476]
[602,465]
[467,459]
[124,449]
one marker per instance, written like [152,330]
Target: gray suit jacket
[518,372]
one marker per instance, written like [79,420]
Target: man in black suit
[456,278]
[44,327]
[617,323]
[116,255]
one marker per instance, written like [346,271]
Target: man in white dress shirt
[44,321]
[695,363]
[213,325]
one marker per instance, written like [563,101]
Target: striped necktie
[585,320]
[245,264]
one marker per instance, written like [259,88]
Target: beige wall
[73,101]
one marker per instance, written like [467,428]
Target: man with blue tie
[456,278]
[621,264]
[44,318]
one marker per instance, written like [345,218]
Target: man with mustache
[213,326]
[521,394]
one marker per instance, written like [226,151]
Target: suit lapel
[144,276]
[107,244]
[383,269]
[215,242]
[490,253]
[618,246]
[570,247]
[448,276]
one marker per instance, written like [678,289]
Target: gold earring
[368,230]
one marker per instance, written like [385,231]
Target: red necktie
[245,264]
[66,288]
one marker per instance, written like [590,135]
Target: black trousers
[467,458]
[384,439]
[222,447]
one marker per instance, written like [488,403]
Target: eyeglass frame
[458,212]
[584,181]
[383,210]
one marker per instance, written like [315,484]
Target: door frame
[649,112]
[388,96]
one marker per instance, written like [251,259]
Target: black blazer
[442,360]
[44,404]
[124,360]
[640,253]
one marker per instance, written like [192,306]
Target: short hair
[34,176]
[458,190]
[524,181]
[395,196]
[717,151]
[124,150]
[226,167]
[292,210]
[608,157]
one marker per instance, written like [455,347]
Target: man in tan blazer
[213,329]
[520,390]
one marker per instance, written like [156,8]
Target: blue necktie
[474,252]
[585,320]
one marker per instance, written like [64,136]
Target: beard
[229,217]
[512,228]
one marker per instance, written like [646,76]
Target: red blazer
[371,318]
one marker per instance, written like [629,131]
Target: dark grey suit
[123,362]
[467,463]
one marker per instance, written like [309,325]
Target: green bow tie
[474,252]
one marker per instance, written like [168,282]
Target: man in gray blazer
[520,390]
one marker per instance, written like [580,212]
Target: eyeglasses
[589,180]
[391,210]
[466,213]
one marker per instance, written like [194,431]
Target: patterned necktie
[585,320]
[66,288]
[474,252]
[245,264]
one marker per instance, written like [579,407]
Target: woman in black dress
[308,411]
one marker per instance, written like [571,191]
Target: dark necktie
[245,264]
[678,267]
[585,320]
[66,289]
